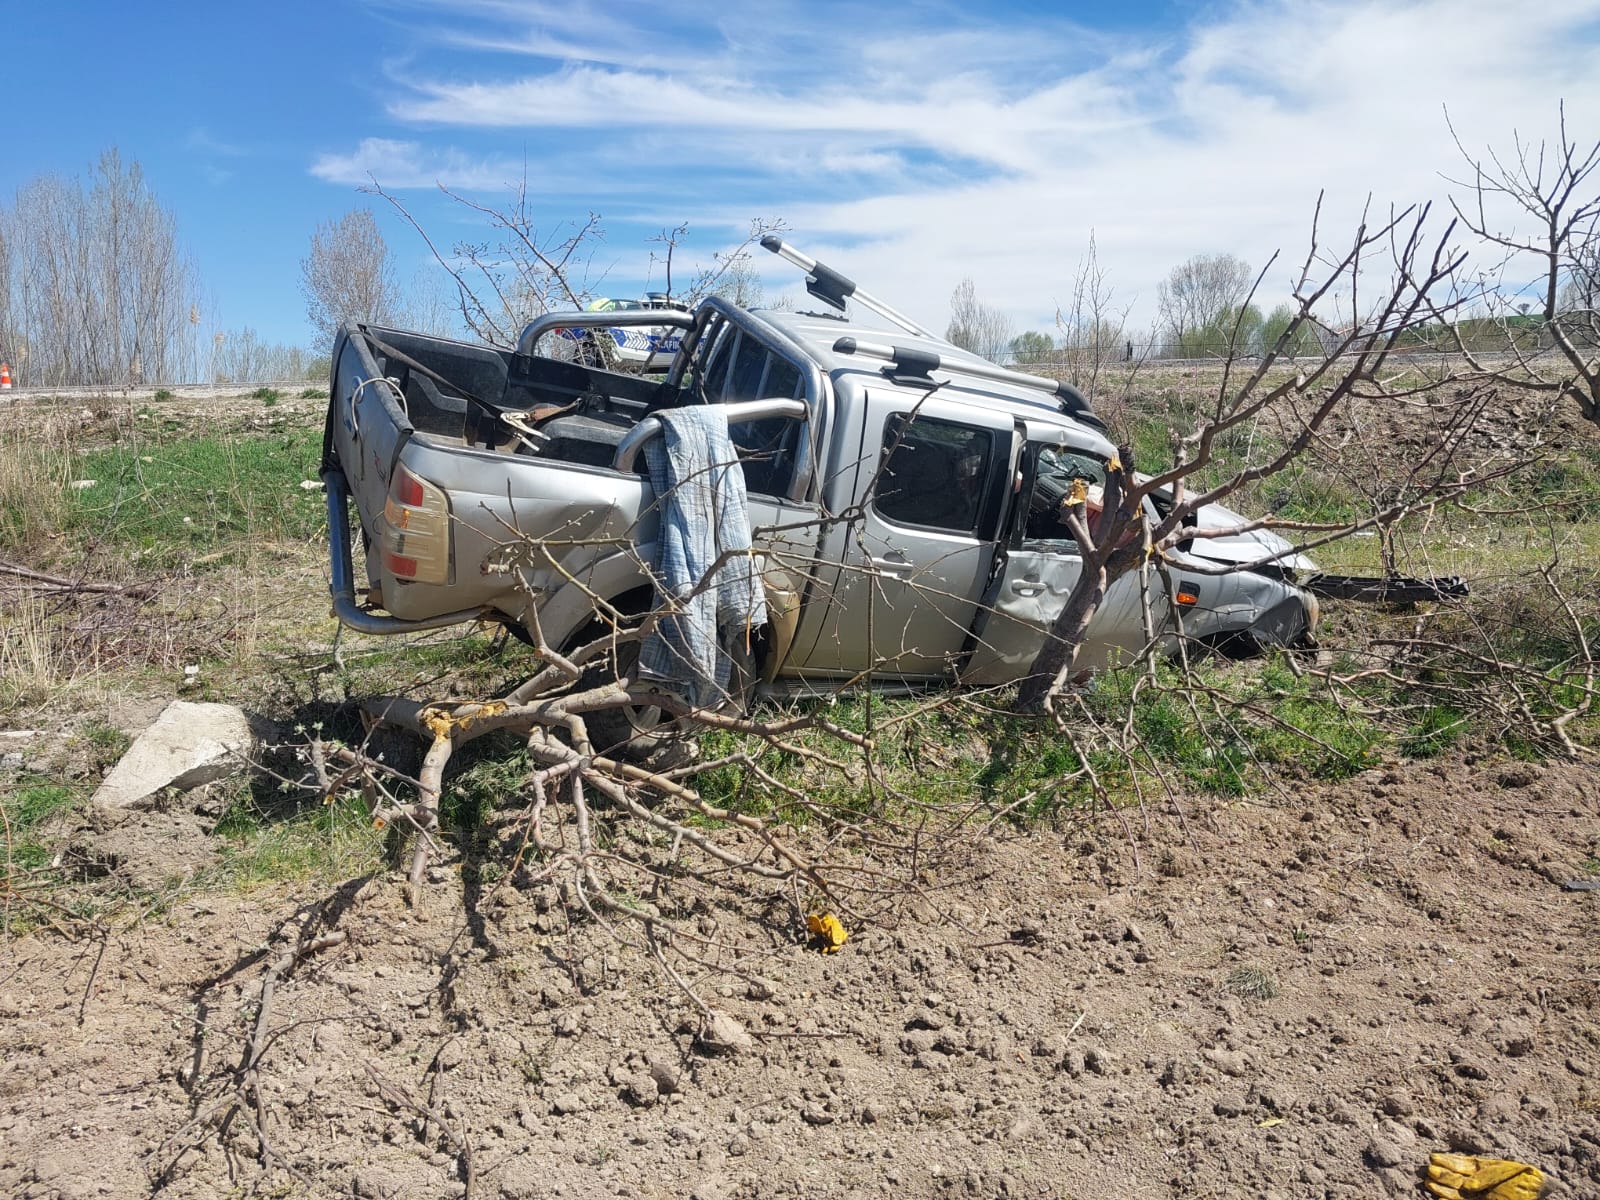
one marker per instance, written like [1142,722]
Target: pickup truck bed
[492,484]
[461,392]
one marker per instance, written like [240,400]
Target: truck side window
[766,447]
[1051,479]
[933,473]
[749,365]
[721,340]
[766,452]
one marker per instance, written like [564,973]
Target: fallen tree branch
[402,1099]
[58,583]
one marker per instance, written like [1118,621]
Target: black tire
[643,732]
[635,731]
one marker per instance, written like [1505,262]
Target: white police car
[634,347]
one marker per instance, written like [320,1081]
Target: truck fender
[572,606]
[783,592]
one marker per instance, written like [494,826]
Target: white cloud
[910,148]
[400,165]
[201,139]
[562,32]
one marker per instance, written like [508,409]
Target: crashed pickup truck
[893,484]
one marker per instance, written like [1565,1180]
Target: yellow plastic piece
[826,932]
[442,723]
[1467,1177]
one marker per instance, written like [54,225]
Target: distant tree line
[1205,310]
[96,289]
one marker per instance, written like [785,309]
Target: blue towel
[699,488]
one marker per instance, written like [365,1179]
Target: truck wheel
[634,731]
[643,732]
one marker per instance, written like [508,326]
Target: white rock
[188,745]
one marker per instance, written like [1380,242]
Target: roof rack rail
[834,289]
[916,362]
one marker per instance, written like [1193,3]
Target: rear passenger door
[742,367]
[738,367]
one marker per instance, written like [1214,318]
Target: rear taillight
[416,530]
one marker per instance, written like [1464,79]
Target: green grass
[1266,723]
[1438,728]
[105,742]
[29,806]
[35,474]
[173,503]
[490,777]
[1253,983]
[1570,485]
[1302,493]
[267,396]
[310,841]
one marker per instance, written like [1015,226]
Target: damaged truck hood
[1242,547]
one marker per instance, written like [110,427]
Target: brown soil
[1304,998]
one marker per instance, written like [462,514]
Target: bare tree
[430,305]
[97,289]
[348,275]
[975,326]
[1301,404]
[240,356]
[1555,183]
[1198,295]
[1093,329]
[729,273]
[1580,292]
[740,283]
[10,335]
[524,271]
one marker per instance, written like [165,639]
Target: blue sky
[909,145]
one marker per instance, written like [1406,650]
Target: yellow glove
[1465,1177]
[827,934]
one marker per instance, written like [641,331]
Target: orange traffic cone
[5,377]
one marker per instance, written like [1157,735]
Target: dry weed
[32,666]
[35,474]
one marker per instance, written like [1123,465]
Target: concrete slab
[189,744]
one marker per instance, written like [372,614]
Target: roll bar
[539,326]
[907,360]
[740,410]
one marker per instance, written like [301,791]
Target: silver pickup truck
[896,485]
